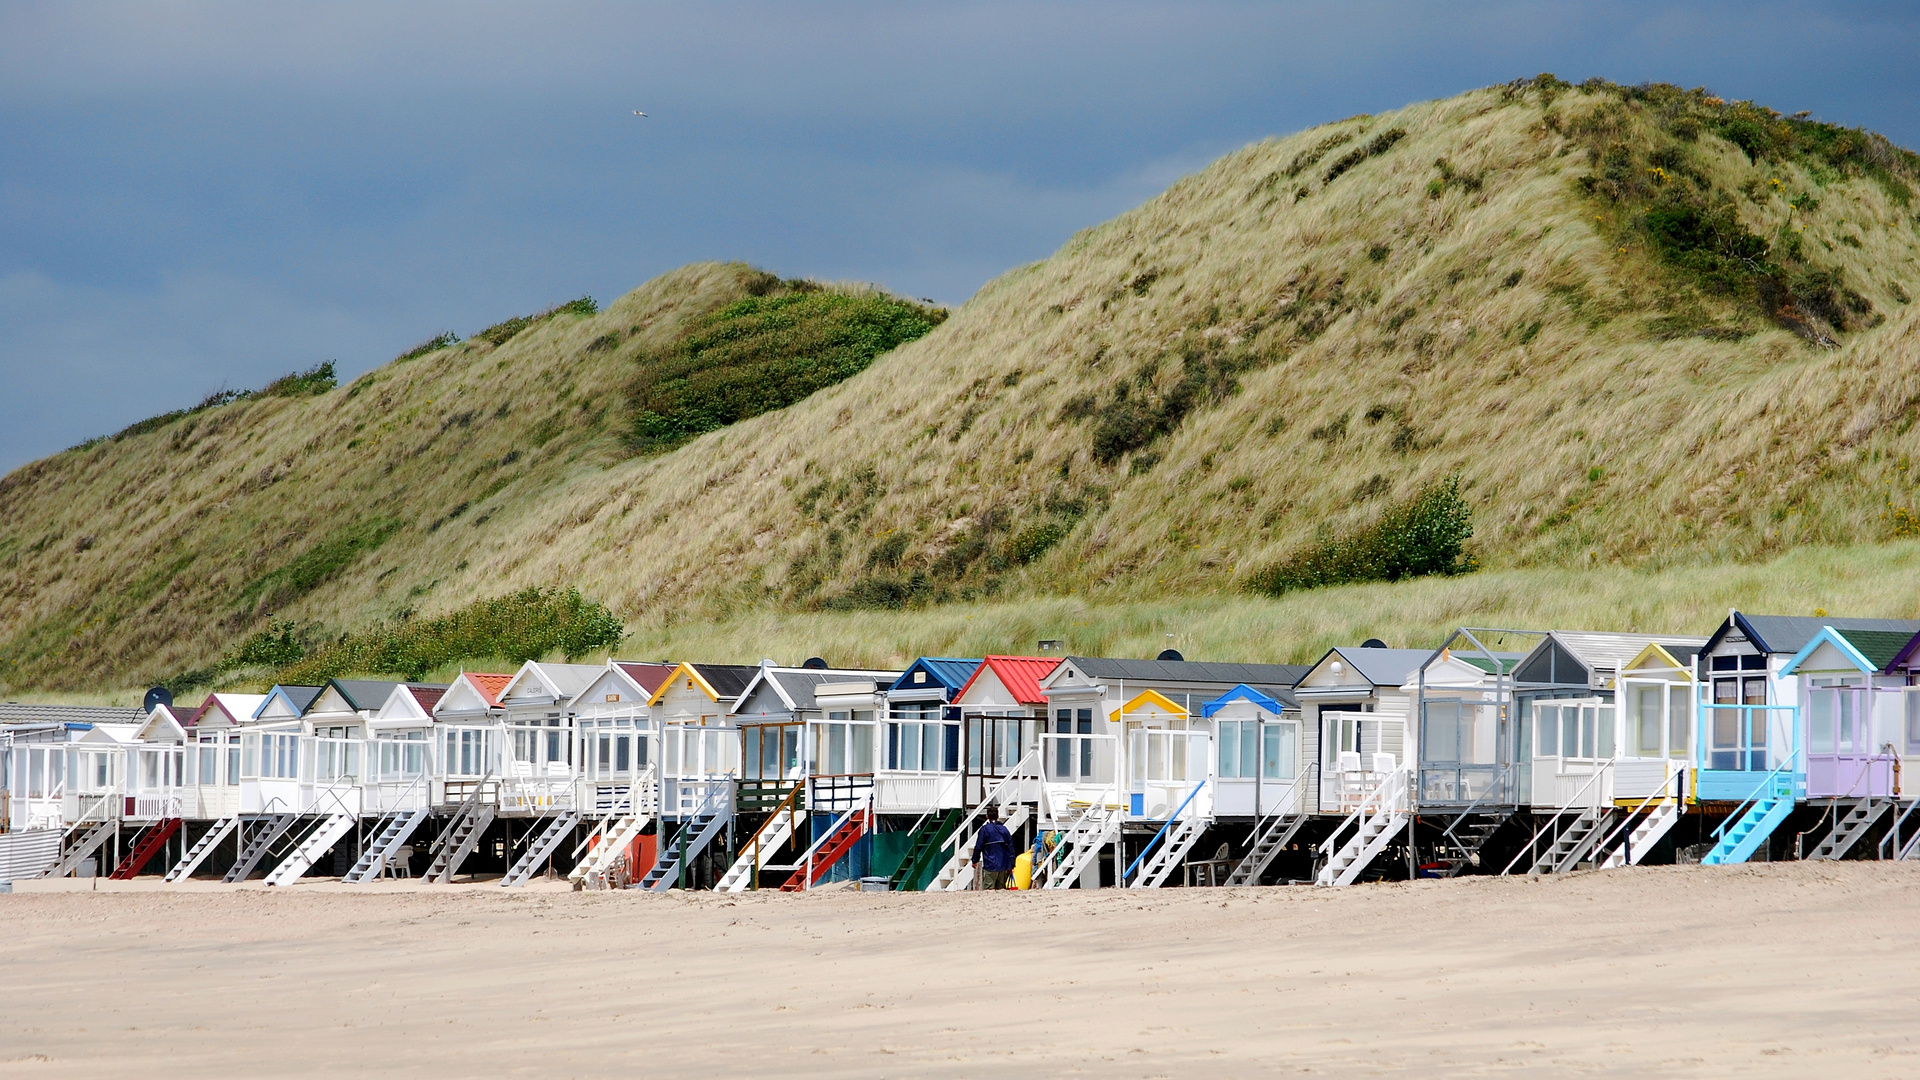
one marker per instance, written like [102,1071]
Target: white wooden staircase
[1079,846]
[1373,824]
[316,843]
[203,847]
[697,831]
[83,840]
[616,832]
[957,874]
[1169,847]
[392,831]
[769,840]
[1645,825]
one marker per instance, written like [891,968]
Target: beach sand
[1802,969]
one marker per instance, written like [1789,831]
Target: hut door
[994,747]
[1840,753]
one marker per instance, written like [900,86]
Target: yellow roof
[692,675]
[1655,658]
[1151,701]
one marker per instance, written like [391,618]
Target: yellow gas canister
[1023,871]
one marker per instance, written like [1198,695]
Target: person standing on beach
[993,853]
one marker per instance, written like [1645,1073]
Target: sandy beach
[1783,970]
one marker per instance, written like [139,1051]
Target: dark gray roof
[300,696]
[363,694]
[15,712]
[1790,633]
[1189,671]
[727,680]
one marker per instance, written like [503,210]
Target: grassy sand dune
[1648,339]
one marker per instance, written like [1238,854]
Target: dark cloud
[197,195]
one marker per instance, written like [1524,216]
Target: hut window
[1238,758]
[1913,720]
[1278,751]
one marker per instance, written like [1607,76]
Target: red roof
[429,696]
[488,685]
[651,677]
[1021,676]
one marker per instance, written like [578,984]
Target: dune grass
[1299,627]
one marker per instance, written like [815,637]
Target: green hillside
[1645,335]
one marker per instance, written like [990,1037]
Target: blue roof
[951,672]
[1243,692]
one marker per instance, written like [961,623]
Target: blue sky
[206,195]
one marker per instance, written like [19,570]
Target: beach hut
[466,764]
[810,773]
[617,772]
[327,789]
[1002,709]
[1748,754]
[1858,695]
[1465,747]
[537,789]
[1565,693]
[1356,703]
[272,751]
[1098,744]
[1258,772]
[155,796]
[699,765]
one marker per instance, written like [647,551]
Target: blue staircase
[1744,835]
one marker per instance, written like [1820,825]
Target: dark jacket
[994,847]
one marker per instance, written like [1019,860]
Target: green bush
[502,332]
[275,647]
[312,382]
[1424,535]
[1035,540]
[432,344]
[762,353]
[518,627]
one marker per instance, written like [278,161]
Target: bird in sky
[637,112]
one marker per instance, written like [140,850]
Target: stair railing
[1376,802]
[993,797]
[621,808]
[1590,791]
[805,862]
[1158,836]
[467,808]
[1890,845]
[1271,822]
[1069,841]
[788,805]
[1499,785]
[1675,770]
[1764,789]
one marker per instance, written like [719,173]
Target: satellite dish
[815,663]
[1169,654]
[157,696]
[1373,643]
